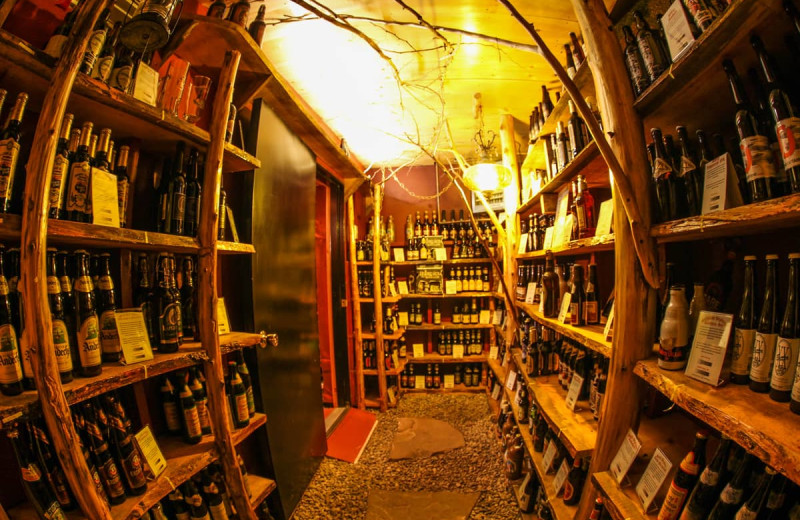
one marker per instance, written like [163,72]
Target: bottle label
[78,195]
[590,311]
[93,48]
[581,212]
[218,511]
[55,45]
[775,501]
[104,283]
[169,324]
[574,313]
[9,152]
[647,48]
[673,502]
[702,16]
[670,352]
[66,285]
[192,203]
[242,412]
[109,338]
[742,351]
[53,285]
[61,346]
[202,413]
[731,495]
[102,68]
[122,198]
[192,420]
[4,289]
[784,365]
[745,514]
[121,77]
[89,342]
[178,206]
[759,162]
[133,469]
[110,475]
[635,70]
[251,403]
[763,357]
[60,168]
[31,473]
[10,367]
[687,166]
[172,417]
[661,169]
[788,131]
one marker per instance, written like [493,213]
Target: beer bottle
[690,174]
[109,473]
[578,302]
[36,488]
[592,306]
[192,431]
[61,335]
[571,68]
[223,218]
[685,479]
[83,440]
[786,348]
[663,173]
[177,504]
[11,269]
[96,41]
[244,374]
[168,309]
[774,508]
[237,394]
[50,465]
[200,400]
[758,159]
[577,130]
[143,296]
[87,324]
[170,405]
[573,486]
[176,293]
[653,57]
[197,506]
[164,216]
[188,296]
[549,298]
[194,195]
[60,170]
[109,338]
[127,456]
[787,125]
[547,105]
[745,332]
[11,374]
[599,509]
[123,184]
[707,489]
[9,151]
[730,499]
[751,509]
[77,203]
[767,332]
[213,497]
[633,61]
[177,190]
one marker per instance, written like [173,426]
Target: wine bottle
[707,489]
[663,175]
[194,195]
[177,504]
[767,332]
[223,217]
[35,487]
[177,189]
[788,344]
[685,479]
[213,497]
[775,506]
[55,45]
[122,73]
[592,306]
[549,304]
[731,496]
[577,130]
[547,106]
[170,406]
[653,57]
[244,374]
[633,61]
[691,175]
[700,12]
[168,309]
[143,296]
[104,64]
[61,335]
[237,395]
[257,27]
[573,486]
[192,431]
[96,41]
[577,316]
[9,150]
[201,401]
[123,184]
[188,298]
[78,205]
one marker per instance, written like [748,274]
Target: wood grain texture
[38,329]
[207,288]
[261,487]
[65,232]
[358,356]
[617,502]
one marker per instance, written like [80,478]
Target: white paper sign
[419,382]
[549,456]
[625,456]
[105,204]
[531,292]
[484,317]
[523,244]
[449,380]
[223,327]
[677,29]
[402,319]
[145,85]
[399,254]
[721,188]
[565,233]
[561,476]
[492,352]
[150,451]
[450,287]
[608,331]
[511,380]
[496,389]
[574,391]
[604,218]
[458,351]
[563,314]
[498,317]
[548,237]
[419,350]
[402,286]
[133,336]
[653,478]
[709,346]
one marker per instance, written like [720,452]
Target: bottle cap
[793,256]
[771,257]
[750,258]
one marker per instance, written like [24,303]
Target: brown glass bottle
[549,296]
[767,332]
[578,300]
[685,479]
[107,299]
[788,344]
[666,198]
[61,335]
[168,309]
[87,326]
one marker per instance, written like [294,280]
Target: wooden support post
[207,290]
[509,149]
[358,348]
[377,283]
[5,9]
[38,330]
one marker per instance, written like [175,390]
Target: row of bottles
[184,400]
[465,312]
[565,144]
[470,279]
[460,228]
[418,249]
[470,341]
[582,207]
[238,13]
[369,353]
[467,374]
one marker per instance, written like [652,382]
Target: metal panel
[284,301]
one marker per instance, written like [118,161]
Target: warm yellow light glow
[487,177]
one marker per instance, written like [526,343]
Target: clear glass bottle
[674,345]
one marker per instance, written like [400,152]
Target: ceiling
[357,94]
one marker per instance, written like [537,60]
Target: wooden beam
[38,329]
[377,283]
[207,290]
[352,236]
[5,9]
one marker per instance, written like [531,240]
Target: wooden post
[377,283]
[509,149]
[634,305]
[38,330]
[356,300]
[207,289]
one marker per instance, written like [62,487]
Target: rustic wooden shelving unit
[590,336]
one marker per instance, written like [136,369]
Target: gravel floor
[339,490]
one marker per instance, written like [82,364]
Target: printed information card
[625,456]
[653,478]
[133,336]
[709,347]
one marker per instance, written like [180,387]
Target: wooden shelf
[588,163]
[514,485]
[621,504]
[447,326]
[10,226]
[116,375]
[233,248]
[183,462]
[618,8]
[66,232]
[456,389]
[765,428]
[584,246]
[761,217]
[387,337]
[577,431]
[436,358]
[455,261]
[584,81]
[385,299]
[590,336]
[446,296]
[499,370]
[260,487]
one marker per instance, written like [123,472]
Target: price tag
[458,351]
[419,350]
[511,380]
[150,451]
[402,286]
[133,336]
[604,218]
[677,30]
[145,85]
[523,244]
[105,205]
[392,290]
[549,456]
[390,395]
[484,317]
[574,391]
[449,380]
[524,484]
[709,347]
[531,293]
[563,314]
[402,319]
[395,360]
[222,317]
[721,189]
[561,476]
[548,237]
[625,456]
[653,478]
[493,352]
[419,382]
[496,389]
[399,254]
[498,317]
[608,331]
[450,287]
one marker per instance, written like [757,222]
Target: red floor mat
[351,435]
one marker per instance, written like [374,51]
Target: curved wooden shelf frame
[590,336]
[584,246]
